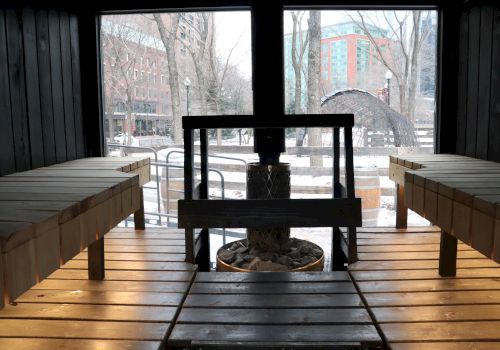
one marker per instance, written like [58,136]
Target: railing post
[188,189]
[352,248]
[203,256]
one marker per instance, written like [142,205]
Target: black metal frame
[343,210]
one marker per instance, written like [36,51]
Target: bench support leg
[401,209]
[139,220]
[96,260]
[203,256]
[190,246]
[338,257]
[447,255]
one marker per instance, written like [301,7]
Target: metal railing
[158,199]
[167,166]
[167,177]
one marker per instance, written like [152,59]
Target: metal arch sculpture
[371,112]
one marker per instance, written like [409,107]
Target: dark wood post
[448,255]
[401,209]
[96,260]
[188,189]
[202,258]
[139,220]
[338,256]
[352,255]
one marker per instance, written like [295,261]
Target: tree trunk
[110,111]
[128,120]
[169,40]
[313,81]
[412,81]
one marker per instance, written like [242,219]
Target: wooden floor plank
[460,297]
[430,285]
[327,276]
[447,346]
[113,248]
[144,242]
[422,247]
[442,331]
[88,312]
[124,275]
[98,286]
[274,316]
[419,264]
[76,344]
[274,288]
[134,265]
[136,256]
[274,301]
[471,254]
[83,329]
[388,275]
[100,298]
[443,313]
[289,333]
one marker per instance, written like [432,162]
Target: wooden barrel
[367,187]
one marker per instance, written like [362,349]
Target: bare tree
[313,80]
[299,46]
[401,56]
[197,45]
[169,38]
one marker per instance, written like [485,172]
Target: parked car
[122,139]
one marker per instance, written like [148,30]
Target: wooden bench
[459,194]
[48,215]
[274,310]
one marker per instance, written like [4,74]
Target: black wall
[40,92]
[478,105]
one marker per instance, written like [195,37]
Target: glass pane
[160,67]
[379,65]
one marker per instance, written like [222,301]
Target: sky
[234,30]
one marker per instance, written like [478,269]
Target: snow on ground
[386,214]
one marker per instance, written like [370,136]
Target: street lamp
[187,83]
[388,77]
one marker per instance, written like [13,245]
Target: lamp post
[388,77]
[187,83]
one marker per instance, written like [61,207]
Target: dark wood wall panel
[57,88]
[32,88]
[7,155]
[77,89]
[494,124]
[478,83]
[483,107]
[40,102]
[462,82]
[45,81]
[67,80]
[472,81]
[17,90]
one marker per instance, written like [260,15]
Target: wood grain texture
[255,213]
[76,344]
[417,308]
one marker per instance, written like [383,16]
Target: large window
[379,65]
[159,67]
